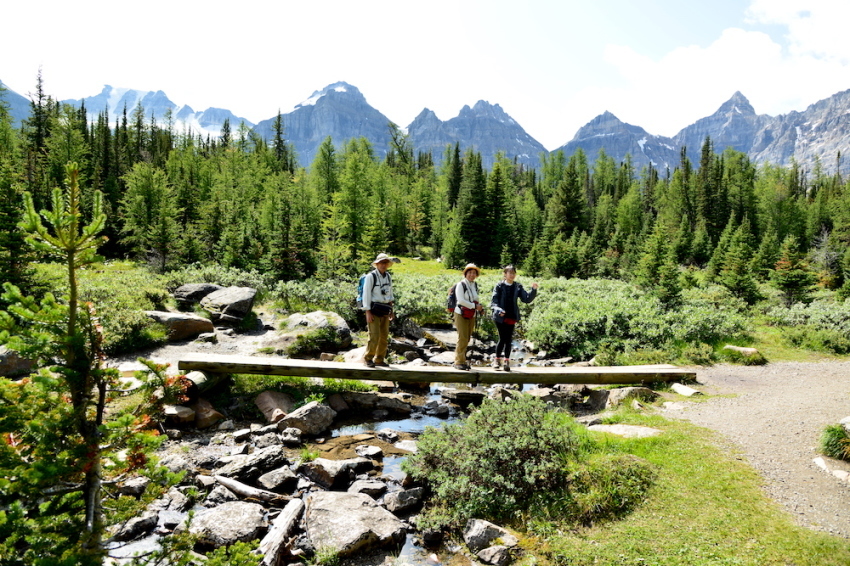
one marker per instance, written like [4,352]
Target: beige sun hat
[384,257]
[471,266]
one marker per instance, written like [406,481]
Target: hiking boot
[381,365]
[369,363]
[462,367]
[507,366]
[497,364]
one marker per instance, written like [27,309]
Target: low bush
[835,442]
[818,339]
[582,318]
[508,457]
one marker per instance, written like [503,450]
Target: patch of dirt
[775,414]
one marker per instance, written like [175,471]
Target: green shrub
[818,339]
[491,465]
[835,442]
[508,457]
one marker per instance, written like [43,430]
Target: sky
[552,65]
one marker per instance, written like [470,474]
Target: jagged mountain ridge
[485,127]
[340,111]
[155,103]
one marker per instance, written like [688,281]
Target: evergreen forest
[174,199]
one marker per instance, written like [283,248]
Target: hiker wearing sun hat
[378,301]
[467,306]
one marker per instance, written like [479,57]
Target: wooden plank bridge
[267,365]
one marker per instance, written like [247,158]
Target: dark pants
[506,338]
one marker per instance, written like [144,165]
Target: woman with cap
[466,292]
[506,313]
[378,301]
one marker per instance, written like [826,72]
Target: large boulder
[350,522]
[229,305]
[229,523]
[192,293]
[312,418]
[181,326]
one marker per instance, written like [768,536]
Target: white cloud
[816,28]
[690,82]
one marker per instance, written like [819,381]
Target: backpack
[361,284]
[451,301]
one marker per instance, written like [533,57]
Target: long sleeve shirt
[466,294]
[377,288]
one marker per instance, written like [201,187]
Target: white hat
[471,266]
[384,257]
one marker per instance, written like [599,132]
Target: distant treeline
[176,198]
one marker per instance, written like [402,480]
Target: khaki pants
[465,327]
[379,331]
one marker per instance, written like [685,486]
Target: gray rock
[282,480]
[367,401]
[136,527]
[350,522]
[246,468]
[498,555]
[229,305]
[463,396]
[388,435]
[617,396]
[401,501]
[192,293]
[219,495]
[371,452]
[231,522]
[290,436]
[479,534]
[312,418]
[266,440]
[134,487]
[181,326]
[335,474]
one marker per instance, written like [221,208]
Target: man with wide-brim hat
[467,306]
[378,301]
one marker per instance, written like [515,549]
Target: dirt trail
[775,414]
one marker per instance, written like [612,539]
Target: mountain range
[341,111]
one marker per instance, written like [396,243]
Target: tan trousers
[379,331]
[464,326]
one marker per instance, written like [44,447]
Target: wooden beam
[262,365]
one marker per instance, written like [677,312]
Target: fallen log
[273,545]
[249,492]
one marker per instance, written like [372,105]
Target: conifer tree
[791,274]
[454,174]
[61,445]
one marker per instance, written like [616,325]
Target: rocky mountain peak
[737,104]
[334,89]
